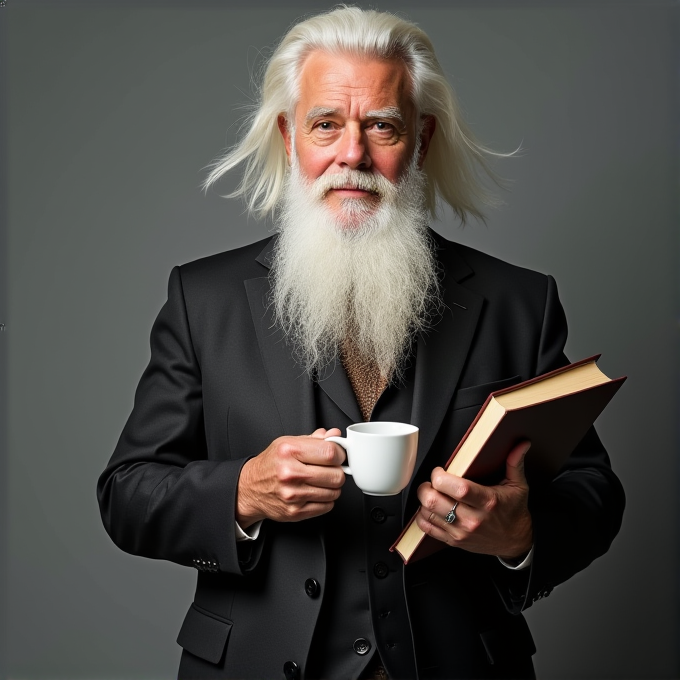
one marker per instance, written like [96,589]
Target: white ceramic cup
[381,456]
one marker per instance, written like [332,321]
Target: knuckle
[463,490]
[328,452]
[473,524]
[292,511]
[278,443]
[285,472]
[438,478]
[429,501]
[422,491]
[285,447]
[288,496]
[491,503]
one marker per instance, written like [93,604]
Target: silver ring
[451,517]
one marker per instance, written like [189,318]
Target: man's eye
[383,127]
[325,125]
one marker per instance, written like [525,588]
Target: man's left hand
[493,520]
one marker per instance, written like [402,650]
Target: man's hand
[493,520]
[294,478]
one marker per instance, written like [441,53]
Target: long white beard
[369,276]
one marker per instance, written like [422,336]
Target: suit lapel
[333,379]
[290,385]
[443,350]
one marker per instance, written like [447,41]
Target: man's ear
[429,124]
[282,122]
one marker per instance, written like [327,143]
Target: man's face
[354,114]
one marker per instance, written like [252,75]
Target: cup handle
[343,442]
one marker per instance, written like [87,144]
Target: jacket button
[361,646]
[312,587]
[378,515]
[380,570]
[291,670]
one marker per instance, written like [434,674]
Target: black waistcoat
[364,608]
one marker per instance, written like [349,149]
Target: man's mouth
[353,192]
[350,185]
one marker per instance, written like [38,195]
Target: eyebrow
[319,111]
[387,112]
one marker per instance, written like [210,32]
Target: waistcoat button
[380,570]
[361,646]
[312,587]
[378,515]
[291,670]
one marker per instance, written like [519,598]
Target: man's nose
[352,150]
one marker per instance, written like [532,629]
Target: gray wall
[114,109]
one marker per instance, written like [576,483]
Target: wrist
[521,548]
[247,510]
[516,559]
[519,564]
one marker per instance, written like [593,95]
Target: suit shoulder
[501,283]
[484,264]
[228,267]
[477,268]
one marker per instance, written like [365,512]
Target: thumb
[514,464]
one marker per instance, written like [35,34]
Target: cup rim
[407,428]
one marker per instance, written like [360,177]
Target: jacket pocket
[204,634]
[507,642]
[476,394]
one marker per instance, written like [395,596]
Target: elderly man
[354,311]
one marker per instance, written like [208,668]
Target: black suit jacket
[222,384]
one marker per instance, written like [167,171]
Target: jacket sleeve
[160,496]
[577,516]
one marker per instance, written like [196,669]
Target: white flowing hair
[454,161]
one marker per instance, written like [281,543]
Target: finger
[514,464]
[463,490]
[324,477]
[309,510]
[434,507]
[433,503]
[312,451]
[447,535]
[322,433]
[467,521]
[295,475]
[299,495]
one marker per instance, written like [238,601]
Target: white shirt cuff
[523,564]
[250,535]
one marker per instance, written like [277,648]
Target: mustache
[353,179]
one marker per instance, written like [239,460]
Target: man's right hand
[294,478]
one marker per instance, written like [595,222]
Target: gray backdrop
[111,112]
